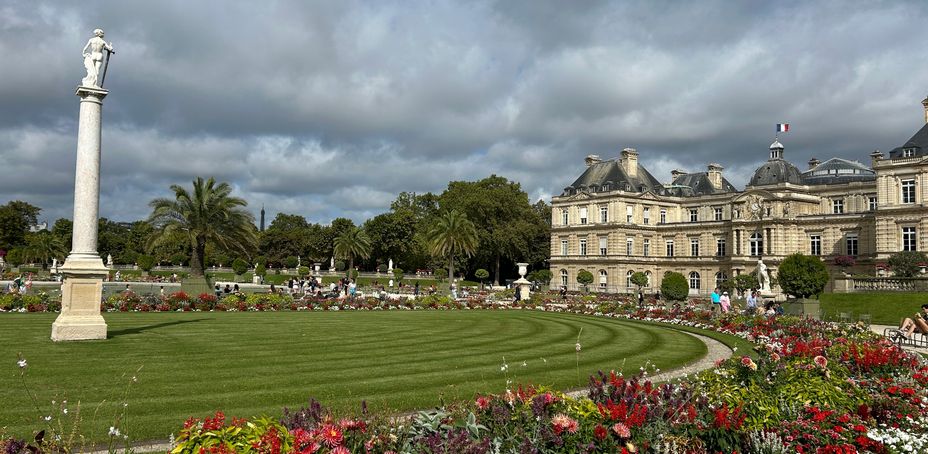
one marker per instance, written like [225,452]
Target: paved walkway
[879,329]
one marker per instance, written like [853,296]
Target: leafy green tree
[398,274]
[146,262]
[544,276]
[207,214]
[239,267]
[291,262]
[639,279]
[452,234]
[43,246]
[179,259]
[674,286]
[303,270]
[382,268]
[584,278]
[482,275]
[745,282]
[64,230]
[907,263]
[393,235]
[15,219]
[261,270]
[352,243]
[15,256]
[287,236]
[802,275]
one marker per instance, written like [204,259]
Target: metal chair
[866,319]
[844,317]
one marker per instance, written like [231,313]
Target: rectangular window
[629,246]
[871,203]
[603,215]
[563,247]
[815,244]
[669,248]
[629,213]
[850,243]
[694,247]
[646,214]
[583,215]
[837,206]
[718,213]
[603,246]
[720,247]
[908,191]
[663,216]
[564,216]
[908,239]
[583,246]
[908,152]
[647,248]
[694,215]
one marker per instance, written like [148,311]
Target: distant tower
[262,218]
[776,150]
[925,104]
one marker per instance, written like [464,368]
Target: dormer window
[605,187]
[908,152]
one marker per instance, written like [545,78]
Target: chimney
[630,162]
[925,104]
[813,162]
[676,173]
[715,175]
[875,158]
[592,159]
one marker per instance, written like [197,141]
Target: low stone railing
[880,284]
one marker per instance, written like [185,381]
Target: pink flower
[483,402]
[746,361]
[774,357]
[561,422]
[621,430]
[331,435]
[820,361]
[340,450]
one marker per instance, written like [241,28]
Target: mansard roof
[919,142]
[612,176]
[699,184]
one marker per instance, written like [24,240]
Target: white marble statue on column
[390,267]
[763,278]
[93,58]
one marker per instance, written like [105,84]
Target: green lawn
[256,363]
[885,308]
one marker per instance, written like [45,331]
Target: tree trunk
[450,270]
[496,280]
[196,258]
[350,266]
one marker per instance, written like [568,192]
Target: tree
[291,262]
[452,234]
[15,219]
[482,275]
[639,279]
[802,275]
[239,267]
[208,214]
[303,270]
[393,235]
[64,230]
[745,282]
[398,274]
[907,263]
[584,278]
[43,246]
[674,286]
[352,243]
[544,276]
[146,262]
[287,236]
[261,270]
[15,257]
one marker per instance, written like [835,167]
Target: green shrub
[543,276]
[584,278]
[15,257]
[907,263]
[303,270]
[291,262]
[214,435]
[260,270]
[398,274]
[481,275]
[146,262]
[639,279]
[674,286]
[382,268]
[340,265]
[802,275]
[179,258]
[239,267]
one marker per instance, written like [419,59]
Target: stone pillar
[83,271]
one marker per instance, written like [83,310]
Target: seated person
[918,322]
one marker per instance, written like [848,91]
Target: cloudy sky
[331,108]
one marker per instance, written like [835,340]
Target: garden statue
[763,278]
[93,59]
[109,260]
[390,266]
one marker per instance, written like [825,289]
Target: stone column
[83,271]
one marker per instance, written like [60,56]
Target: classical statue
[93,59]
[763,278]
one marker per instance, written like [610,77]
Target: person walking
[751,303]
[725,302]
[716,299]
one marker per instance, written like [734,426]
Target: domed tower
[776,170]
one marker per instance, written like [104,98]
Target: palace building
[617,218]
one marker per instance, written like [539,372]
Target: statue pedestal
[81,296]
[525,288]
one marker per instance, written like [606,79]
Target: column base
[81,296]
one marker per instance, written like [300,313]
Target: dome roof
[776,145]
[837,170]
[776,171]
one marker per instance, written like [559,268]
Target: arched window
[720,277]
[564,278]
[757,244]
[694,280]
[603,279]
[628,278]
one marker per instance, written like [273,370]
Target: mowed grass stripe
[256,363]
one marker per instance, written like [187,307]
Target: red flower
[600,432]
[483,402]
[331,435]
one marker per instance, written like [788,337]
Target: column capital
[91,94]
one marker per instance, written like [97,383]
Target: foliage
[907,263]
[43,246]
[639,279]
[15,219]
[382,268]
[674,286]
[239,267]
[542,276]
[481,274]
[452,234]
[584,277]
[179,258]
[802,275]
[340,265]
[15,256]
[207,215]
[260,270]
[259,435]
[146,262]
[352,243]
[303,270]
[398,274]
[291,261]
[745,281]
[845,261]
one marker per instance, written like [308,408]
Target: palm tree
[452,234]
[43,246]
[352,243]
[208,215]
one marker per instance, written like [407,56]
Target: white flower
[114,432]
[21,363]
[48,418]
[578,347]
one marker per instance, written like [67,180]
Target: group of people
[20,285]
[918,322]
[752,303]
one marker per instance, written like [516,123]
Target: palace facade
[617,218]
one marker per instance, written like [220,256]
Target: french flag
[782,127]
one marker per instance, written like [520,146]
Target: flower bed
[807,386]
